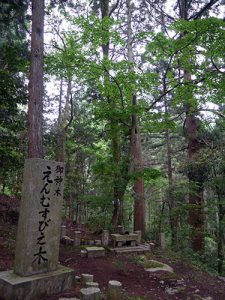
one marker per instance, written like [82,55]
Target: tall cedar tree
[36,89]
[194,143]
[136,155]
[118,193]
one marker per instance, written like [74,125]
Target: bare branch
[114,8]
[203,10]
[215,66]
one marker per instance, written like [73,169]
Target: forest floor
[186,282]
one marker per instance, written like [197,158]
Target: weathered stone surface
[92,284]
[38,235]
[95,251]
[83,253]
[16,287]
[91,293]
[86,278]
[114,290]
[123,238]
[171,291]
[133,243]
[67,240]
[119,244]
[164,267]
[105,237]
[138,232]
[77,279]
[77,236]
[98,242]
[162,240]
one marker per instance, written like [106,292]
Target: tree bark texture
[135,142]
[136,160]
[36,89]
[194,145]
[118,193]
[220,237]
[63,120]
[196,200]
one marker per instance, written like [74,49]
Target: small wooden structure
[118,240]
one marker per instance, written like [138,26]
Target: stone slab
[127,249]
[15,287]
[164,267]
[38,234]
[123,238]
[95,251]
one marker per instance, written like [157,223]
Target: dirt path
[185,283]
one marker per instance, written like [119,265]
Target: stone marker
[92,284]
[63,231]
[38,235]
[86,278]
[67,240]
[77,235]
[114,290]
[133,243]
[77,279]
[105,237]
[91,293]
[138,232]
[98,242]
[95,251]
[83,253]
[119,244]
[162,241]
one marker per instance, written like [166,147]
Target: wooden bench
[120,239]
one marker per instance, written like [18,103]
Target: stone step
[135,249]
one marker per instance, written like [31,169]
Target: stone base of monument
[15,287]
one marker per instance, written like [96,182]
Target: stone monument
[36,271]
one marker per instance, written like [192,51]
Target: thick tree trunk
[196,201]
[36,89]
[117,216]
[136,160]
[136,153]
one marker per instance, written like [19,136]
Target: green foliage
[13,92]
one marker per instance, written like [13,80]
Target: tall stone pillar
[38,235]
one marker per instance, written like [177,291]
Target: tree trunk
[220,235]
[196,201]
[117,216]
[63,118]
[136,153]
[36,89]
[170,196]
[136,157]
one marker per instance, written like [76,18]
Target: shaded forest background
[134,105]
